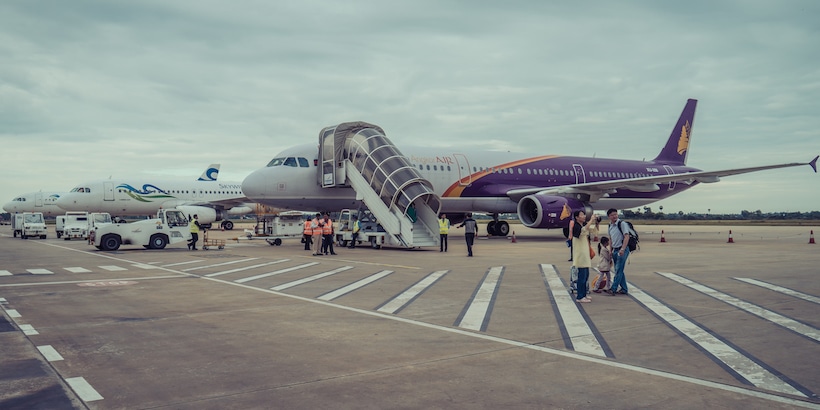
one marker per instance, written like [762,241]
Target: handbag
[591,252]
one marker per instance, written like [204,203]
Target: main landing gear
[498,228]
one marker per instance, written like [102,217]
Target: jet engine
[206,215]
[240,210]
[547,211]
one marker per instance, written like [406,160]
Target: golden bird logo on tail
[683,142]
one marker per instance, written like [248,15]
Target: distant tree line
[744,215]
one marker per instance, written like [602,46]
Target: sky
[92,89]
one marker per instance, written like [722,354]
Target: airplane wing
[596,190]
[224,203]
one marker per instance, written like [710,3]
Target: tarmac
[706,324]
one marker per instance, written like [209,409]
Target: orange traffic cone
[730,237]
[811,237]
[663,238]
[513,238]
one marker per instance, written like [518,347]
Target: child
[604,266]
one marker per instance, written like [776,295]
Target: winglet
[813,164]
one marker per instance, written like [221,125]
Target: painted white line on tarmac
[29,330]
[355,285]
[756,310]
[265,275]
[181,263]
[144,266]
[477,314]
[311,278]
[400,301]
[578,330]
[39,271]
[745,367]
[5,273]
[113,268]
[785,291]
[219,264]
[49,353]
[745,391]
[83,389]
[225,272]
[77,269]
[13,313]
[63,282]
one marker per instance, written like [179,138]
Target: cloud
[93,88]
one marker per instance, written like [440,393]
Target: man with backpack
[619,234]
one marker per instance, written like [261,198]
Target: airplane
[543,190]
[46,202]
[40,201]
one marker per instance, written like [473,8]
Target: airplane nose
[9,207]
[65,202]
[255,185]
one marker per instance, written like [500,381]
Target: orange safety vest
[328,228]
[308,230]
[318,229]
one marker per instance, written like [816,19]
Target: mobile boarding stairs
[358,155]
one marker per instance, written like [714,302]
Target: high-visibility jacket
[356,227]
[443,226]
[194,226]
[316,226]
[327,229]
[308,230]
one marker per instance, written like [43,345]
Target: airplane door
[670,171]
[108,191]
[38,199]
[580,177]
[465,177]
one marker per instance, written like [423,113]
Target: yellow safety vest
[443,226]
[194,228]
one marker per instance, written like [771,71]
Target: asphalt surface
[706,324]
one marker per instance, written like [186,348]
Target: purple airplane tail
[677,146]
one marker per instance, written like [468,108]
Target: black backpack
[633,237]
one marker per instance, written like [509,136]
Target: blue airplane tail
[676,149]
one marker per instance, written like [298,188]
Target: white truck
[75,225]
[285,225]
[96,219]
[169,227]
[59,225]
[29,224]
[370,232]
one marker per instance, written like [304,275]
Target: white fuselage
[453,175]
[124,198]
[45,202]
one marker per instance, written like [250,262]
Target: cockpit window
[81,189]
[276,162]
[303,162]
[290,162]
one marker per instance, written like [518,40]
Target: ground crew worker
[469,232]
[356,228]
[327,233]
[316,225]
[307,234]
[195,226]
[443,230]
